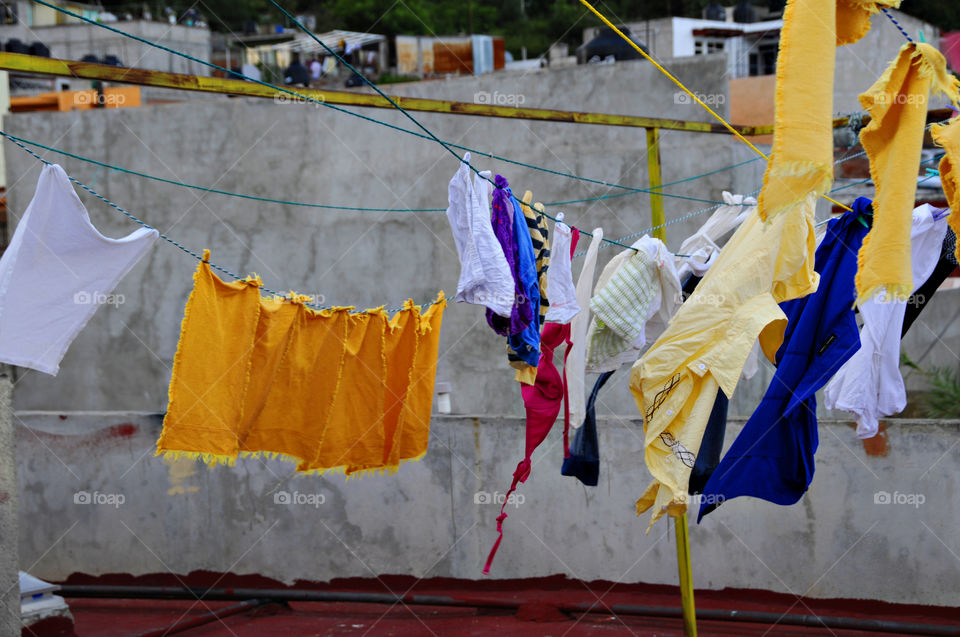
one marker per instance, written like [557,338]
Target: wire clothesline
[19,143]
[490,155]
[217,191]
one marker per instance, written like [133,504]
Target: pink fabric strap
[520,475]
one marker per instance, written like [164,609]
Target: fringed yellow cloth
[948,136]
[769,259]
[897,103]
[327,389]
[802,156]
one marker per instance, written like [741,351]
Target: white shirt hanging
[575,367]
[56,272]
[485,277]
[560,288]
[870,385]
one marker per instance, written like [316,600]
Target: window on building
[706,47]
[763,59]
[8,13]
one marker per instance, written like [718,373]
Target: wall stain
[879,445]
[179,471]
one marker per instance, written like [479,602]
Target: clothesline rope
[193,254]
[374,120]
[895,22]
[680,84]
[352,208]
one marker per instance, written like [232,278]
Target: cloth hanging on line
[517,345]
[57,272]
[583,462]
[485,276]
[709,340]
[772,457]
[703,246]
[948,136]
[523,347]
[563,293]
[502,217]
[897,103]
[326,389]
[636,295]
[801,161]
[576,366]
[946,264]
[542,404]
[870,385]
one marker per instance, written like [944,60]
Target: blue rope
[171,241]
[359,115]
[894,20]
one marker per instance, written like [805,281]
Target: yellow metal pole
[686,577]
[657,217]
[17,62]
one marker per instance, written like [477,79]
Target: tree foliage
[533,24]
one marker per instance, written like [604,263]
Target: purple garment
[502,218]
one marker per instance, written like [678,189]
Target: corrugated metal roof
[333,39]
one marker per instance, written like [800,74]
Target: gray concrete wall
[120,363]
[860,64]
[73,41]
[96,500]
[9,520]
[306,153]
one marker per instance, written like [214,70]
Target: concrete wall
[73,41]
[9,513]
[424,520]
[96,500]
[301,152]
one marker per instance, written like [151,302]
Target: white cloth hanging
[485,277]
[636,295]
[575,367]
[704,244]
[562,292]
[56,272]
[870,385]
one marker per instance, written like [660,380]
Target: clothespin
[920,36]
[933,171]
[559,217]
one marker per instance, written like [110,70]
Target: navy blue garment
[583,463]
[772,458]
[708,458]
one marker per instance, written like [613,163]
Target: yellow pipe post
[657,219]
[654,179]
[686,577]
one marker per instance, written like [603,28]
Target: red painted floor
[537,616]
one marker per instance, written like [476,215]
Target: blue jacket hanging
[772,458]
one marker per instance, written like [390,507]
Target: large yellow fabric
[767,261]
[708,340]
[948,136]
[897,103]
[327,389]
[802,156]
